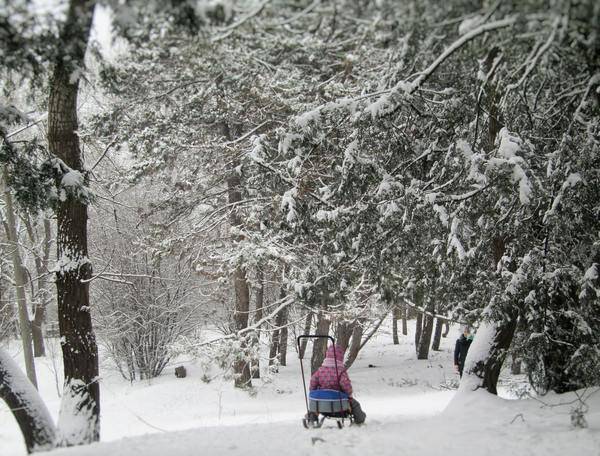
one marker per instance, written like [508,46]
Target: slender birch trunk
[10,226]
[43,295]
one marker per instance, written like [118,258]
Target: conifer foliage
[316,164]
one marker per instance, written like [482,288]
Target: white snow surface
[412,409]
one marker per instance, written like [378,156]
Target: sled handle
[312,336]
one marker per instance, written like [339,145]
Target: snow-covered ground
[409,405]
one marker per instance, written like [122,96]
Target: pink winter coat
[325,377]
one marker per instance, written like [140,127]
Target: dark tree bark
[260,297]
[283,337]
[80,353]
[487,367]
[515,366]
[418,296]
[320,345]
[483,371]
[437,335]
[425,339]
[303,342]
[418,330]
[404,322]
[26,405]
[446,329]
[355,344]
[275,349]
[241,368]
[395,316]
[344,333]
[37,335]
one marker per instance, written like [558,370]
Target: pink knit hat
[339,354]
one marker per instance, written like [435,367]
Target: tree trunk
[43,295]
[437,336]
[10,226]
[283,337]
[446,329]
[355,344]
[307,325]
[274,348]
[418,331]
[487,354]
[425,339]
[81,398]
[515,366]
[320,345]
[37,334]
[27,406]
[276,335]
[395,316]
[260,297]
[419,296]
[404,322]
[490,346]
[241,368]
[344,333]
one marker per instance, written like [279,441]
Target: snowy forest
[187,186]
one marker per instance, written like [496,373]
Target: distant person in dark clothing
[461,348]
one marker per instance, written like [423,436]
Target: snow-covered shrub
[143,309]
[578,416]
[220,355]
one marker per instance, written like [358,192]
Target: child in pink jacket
[326,377]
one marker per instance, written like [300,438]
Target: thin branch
[412,305]
[241,138]
[374,330]
[285,302]
[425,74]
[230,28]
[32,124]
[112,143]
[305,11]
[535,60]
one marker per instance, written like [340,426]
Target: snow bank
[486,425]
[404,398]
